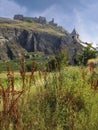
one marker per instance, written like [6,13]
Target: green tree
[62,58]
[86,54]
[59,60]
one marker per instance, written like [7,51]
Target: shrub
[59,61]
[87,53]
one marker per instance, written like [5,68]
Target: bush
[30,64]
[59,61]
[87,53]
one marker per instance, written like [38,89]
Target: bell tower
[75,34]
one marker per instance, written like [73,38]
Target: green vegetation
[39,58]
[15,65]
[65,99]
[85,55]
[33,26]
[58,61]
[53,95]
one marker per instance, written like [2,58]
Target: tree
[59,60]
[86,54]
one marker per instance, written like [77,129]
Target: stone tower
[75,35]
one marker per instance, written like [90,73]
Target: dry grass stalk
[22,71]
[92,64]
[92,67]
[40,73]
[45,74]
[94,79]
[73,120]
[32,73]
[50,68]
[10,98]
[83,73]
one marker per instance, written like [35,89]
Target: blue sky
[81,14]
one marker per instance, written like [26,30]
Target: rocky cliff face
[16,38]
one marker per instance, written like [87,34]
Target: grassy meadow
[64,99]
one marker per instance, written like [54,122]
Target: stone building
[41,19]
[18,17]
[75,37]
[53,23]
[75,34]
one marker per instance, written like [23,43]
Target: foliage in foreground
[62,100]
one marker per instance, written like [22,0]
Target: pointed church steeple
[75,34]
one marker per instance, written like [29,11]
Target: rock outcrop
[17,37]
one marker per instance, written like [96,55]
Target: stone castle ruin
[41,20]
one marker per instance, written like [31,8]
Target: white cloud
[9,8]
[86,27]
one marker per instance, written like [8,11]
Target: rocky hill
[18,36]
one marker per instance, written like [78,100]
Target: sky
[81,14]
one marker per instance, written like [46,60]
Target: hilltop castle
[41,20]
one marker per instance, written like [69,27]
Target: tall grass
[59,100]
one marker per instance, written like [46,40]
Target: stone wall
[35,19]
[41,19]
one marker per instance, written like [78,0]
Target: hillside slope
[21,36]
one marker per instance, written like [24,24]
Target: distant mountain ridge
[18,36]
